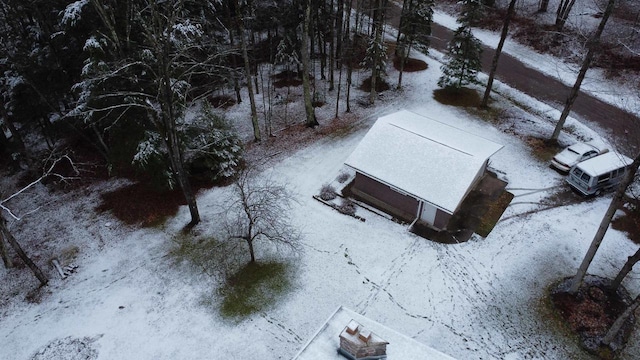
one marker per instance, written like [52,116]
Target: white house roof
[422,157]
[325,343]
[604,163]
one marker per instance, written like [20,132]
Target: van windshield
[577,172]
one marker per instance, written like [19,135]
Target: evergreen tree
[462,60]
[212,147]
[415,26]
[471,12]
[148,62]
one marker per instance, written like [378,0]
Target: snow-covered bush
[347,207]
[343,177]
[327,192]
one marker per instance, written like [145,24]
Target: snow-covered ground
[483,299]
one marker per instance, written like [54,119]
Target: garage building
[417,168]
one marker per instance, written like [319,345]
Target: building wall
[442,219]
[385,198]
[476,180]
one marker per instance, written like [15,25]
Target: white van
[600,173]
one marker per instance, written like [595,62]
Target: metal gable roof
[426,158]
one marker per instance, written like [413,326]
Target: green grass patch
[254,288]
[199,253]
[491,217]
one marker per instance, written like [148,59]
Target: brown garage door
[385,198]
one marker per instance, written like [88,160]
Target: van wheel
[598,192]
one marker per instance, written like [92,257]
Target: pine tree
[415,26]
[462,61]
[471,12]
[157,61]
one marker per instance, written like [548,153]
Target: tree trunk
[616,202]
[332,48]
[254,64]
[378,15]
[171,135]
[7,121]
[339,32]
[234,74]
[628,266]
[544,6]
[617,325]
[4,142]
[403,61]
[177,164]
[18,249]
[349,50]
[401,51]
[308,105]
[234,65]
[562,14]
[247,70]
[593,47]
[338,93]
[317,29]
[6,259]
[496,56]
[251,251]
[406,5]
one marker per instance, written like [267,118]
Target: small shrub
[327,192]
[347,207]
[343,177]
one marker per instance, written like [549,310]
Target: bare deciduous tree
[247,71]
[260,211]
[593,47]
[496,56]
[616,202]
[628,266]
[562,14]
[311,120]
[5,234]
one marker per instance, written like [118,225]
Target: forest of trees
[118,77]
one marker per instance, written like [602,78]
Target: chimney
[358,343]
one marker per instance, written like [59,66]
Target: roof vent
[358,343]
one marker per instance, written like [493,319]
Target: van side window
[605,177]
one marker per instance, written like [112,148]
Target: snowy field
[483,299]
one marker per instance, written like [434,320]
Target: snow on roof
[425,158]
[604,163]
[582,148]
[325,343]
